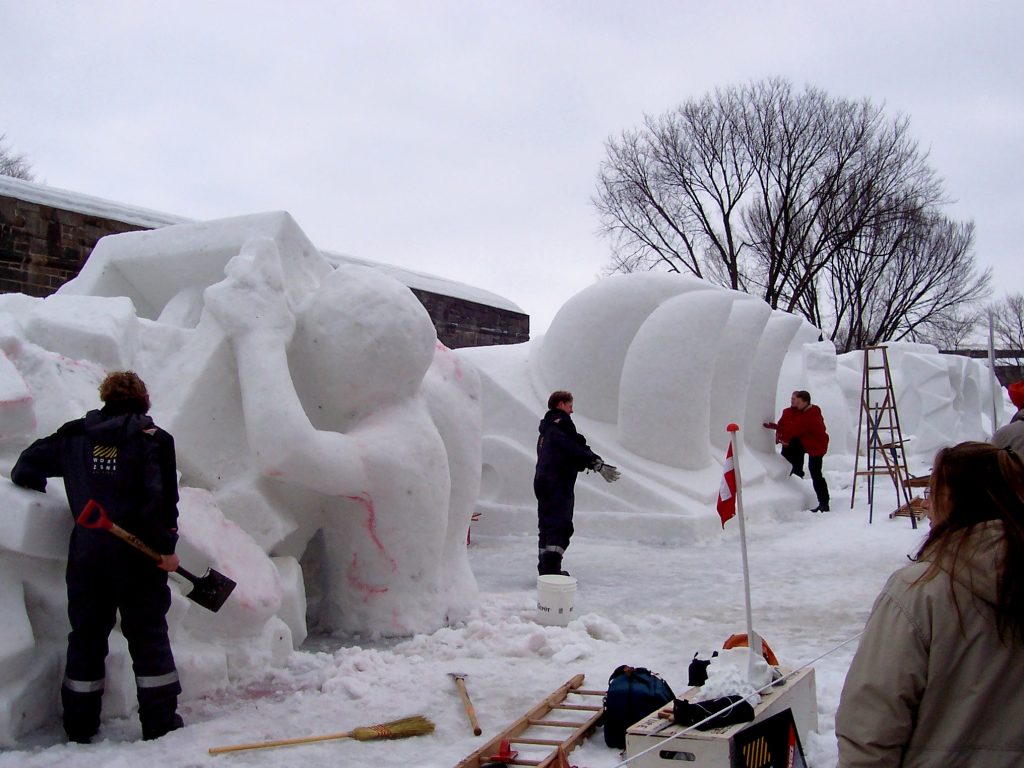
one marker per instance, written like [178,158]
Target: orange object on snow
[740,641]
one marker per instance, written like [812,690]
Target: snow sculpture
[317,421]
[351,428]
[659,365]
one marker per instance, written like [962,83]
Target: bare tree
[912,279]
[1008,324]
[764,189]
[14,165]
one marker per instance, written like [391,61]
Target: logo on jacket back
[104,458]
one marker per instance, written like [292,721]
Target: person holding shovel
[115,457]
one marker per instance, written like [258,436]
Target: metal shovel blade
[209,590]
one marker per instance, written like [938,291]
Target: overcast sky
[463,139]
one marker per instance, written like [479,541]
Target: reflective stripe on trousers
[83,686]
[156,681]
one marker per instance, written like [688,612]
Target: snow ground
[814,578]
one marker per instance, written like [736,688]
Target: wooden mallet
[460,683]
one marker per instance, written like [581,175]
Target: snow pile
[332,453]
[659,365]
[328,446]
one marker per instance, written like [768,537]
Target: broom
[417,725]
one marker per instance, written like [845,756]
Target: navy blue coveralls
[127,464]
[562,453]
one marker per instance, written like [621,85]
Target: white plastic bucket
[555,598]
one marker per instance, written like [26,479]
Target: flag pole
[753,640]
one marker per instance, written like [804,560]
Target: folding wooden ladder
[535,731]
[880,437]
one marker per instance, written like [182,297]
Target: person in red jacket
[801,430]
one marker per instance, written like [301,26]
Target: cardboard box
[714,748]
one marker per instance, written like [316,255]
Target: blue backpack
[633,694]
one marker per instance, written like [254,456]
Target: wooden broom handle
[278,743]
[460,683]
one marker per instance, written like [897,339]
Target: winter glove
[607,471]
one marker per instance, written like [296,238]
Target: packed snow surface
[332,454]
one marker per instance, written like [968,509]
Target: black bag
[698,671]
[633,694]
[687,713]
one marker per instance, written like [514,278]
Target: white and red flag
[727,492]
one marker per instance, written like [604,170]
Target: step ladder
[536,732]
[880,437]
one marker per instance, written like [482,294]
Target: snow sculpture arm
[251,307]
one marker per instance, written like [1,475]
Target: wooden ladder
[518,733]
[882,443]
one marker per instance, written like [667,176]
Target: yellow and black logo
[104,458]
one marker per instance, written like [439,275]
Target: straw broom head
[417,725]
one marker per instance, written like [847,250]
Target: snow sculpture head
[361,341]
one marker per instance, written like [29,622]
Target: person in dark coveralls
[562,453]
[120,459]
[801,430]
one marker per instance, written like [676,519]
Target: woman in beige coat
[939,674]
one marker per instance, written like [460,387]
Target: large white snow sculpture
[351,443]
[659,365]
[337,410]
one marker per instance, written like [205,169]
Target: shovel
[209,590]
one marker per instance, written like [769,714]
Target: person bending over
[801,430]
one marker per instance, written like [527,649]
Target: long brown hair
[971,484]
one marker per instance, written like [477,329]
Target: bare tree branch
[11,164]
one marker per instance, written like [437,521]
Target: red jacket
[807,425]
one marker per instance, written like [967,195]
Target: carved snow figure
[333,402]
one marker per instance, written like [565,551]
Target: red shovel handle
[94,516]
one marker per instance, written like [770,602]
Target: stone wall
[43,246]
[462,323]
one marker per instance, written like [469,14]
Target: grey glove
[608,472]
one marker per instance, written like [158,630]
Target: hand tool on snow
[417,725]
[460,683]
[209,590]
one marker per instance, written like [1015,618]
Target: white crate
[712,749]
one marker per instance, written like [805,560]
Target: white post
[992,372]
[753,640]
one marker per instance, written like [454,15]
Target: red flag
[727,493]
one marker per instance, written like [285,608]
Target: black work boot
[154,730]
[549,564]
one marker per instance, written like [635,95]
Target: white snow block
[16,639]
[208,539]
[16,403]
[35,524]
[254,504]
[665,402]
[30,700]
[293,603]
[119,697]
[99,329]
[202,669]
[152,268]
[585,348]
